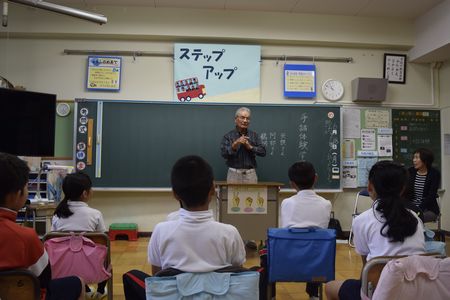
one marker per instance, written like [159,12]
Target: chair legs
[271,291]
[440,232]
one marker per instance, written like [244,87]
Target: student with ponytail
[386,229]
[74,214]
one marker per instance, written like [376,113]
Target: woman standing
[423,184]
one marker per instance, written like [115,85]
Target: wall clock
[63,109]
[332,89]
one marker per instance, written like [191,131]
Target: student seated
[20,246]
[74,214]
[306,208]
[386,229]
[194,242]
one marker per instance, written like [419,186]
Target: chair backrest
[98,238]
[371,272]
[213,285]
[358,208]
[367,201]
[301,254]
[414,277]
[19,284]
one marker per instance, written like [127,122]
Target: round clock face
[332,89]
[63,109]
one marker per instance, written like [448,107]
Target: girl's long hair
[73,187]
[389,180]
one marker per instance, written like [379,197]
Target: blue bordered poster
[217,73]
[104,73]
[299,81]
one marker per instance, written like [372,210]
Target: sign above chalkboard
[103,73]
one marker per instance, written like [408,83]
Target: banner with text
[217,73]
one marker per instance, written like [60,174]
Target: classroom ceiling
[402,9]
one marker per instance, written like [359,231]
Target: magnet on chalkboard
[84,111]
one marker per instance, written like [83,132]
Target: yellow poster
[299,81]
[247,200]
[104,73]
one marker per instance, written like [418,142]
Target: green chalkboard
[135,143]
[416,129]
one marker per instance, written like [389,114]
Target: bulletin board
[373,134]
[367,138]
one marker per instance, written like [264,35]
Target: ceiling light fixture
[73,12]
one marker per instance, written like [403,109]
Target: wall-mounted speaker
[369,89]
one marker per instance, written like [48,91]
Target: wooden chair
[19,284]
[98,238]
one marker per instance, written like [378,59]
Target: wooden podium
[250,226]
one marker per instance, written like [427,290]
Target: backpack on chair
[76,255]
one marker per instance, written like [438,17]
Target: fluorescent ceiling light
[77,13]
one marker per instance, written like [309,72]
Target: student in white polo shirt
[386,229]
[306,208]
[74,214]
[193,242]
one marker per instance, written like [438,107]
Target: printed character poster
[216,73]
[247,200]
[103,73]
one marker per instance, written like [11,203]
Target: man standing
[239,147]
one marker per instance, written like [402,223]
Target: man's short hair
[238,111]
[14,174]
[303,174]
[192,179]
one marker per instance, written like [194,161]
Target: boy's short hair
[14,174]
[303,174]
[192,179]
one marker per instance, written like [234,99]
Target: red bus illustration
[188,89]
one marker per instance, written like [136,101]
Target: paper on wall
[349,177]
[351,123]
[385,145]
[376,118]
[364,166]
[368,139]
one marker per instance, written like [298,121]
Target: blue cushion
[209,285]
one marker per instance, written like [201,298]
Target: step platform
[127,229]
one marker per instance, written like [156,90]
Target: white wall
[40,65]
[144,23]
[31,55]
[432,42]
